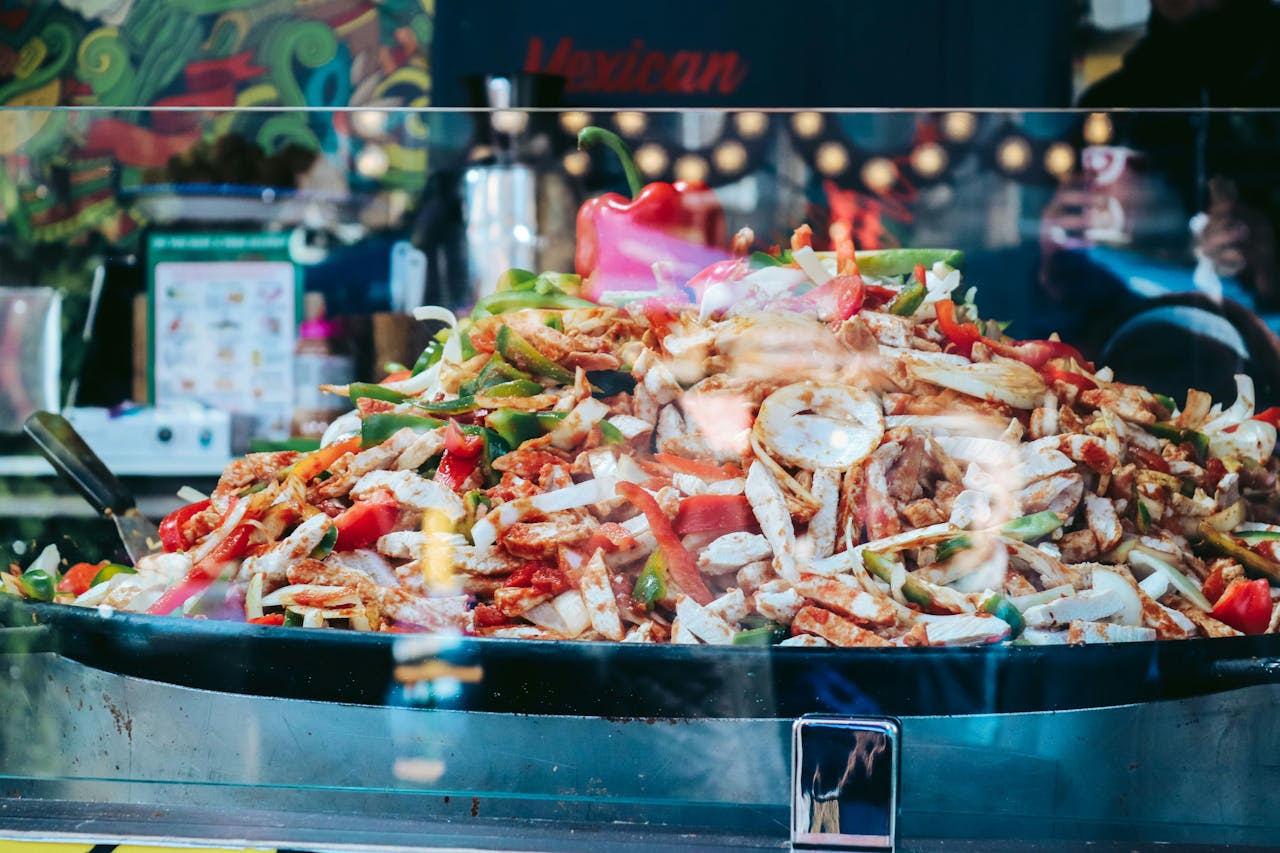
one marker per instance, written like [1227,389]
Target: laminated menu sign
[224,311]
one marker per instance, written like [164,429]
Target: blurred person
[1199,189]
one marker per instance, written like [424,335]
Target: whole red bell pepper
[620,239]
[1245,606]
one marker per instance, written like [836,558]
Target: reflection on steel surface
[844,783]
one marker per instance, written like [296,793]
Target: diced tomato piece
[80,577]
[397,376]
[1245,606]
[838,299]
[366,521]
[714,514]
[1214,585]
[488,616]
[268,619]
[549,579]
[522,576]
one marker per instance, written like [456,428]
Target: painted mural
[64,170]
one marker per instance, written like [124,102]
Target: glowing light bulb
[879,173]
[751,125]
[574,121]
[959,127]
[631,123]
[691,168]
[652,159]
[730,157]
[807,125]
[1014,154]
[1059,159]
[929,160]
[577,163]
[832,158]
[1098,129]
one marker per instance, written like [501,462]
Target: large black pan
[611,679]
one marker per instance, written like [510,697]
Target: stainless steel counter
[99,755]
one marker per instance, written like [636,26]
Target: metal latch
[844,783]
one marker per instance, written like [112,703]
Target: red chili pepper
[1269,416]
[171,535]
[366,521]
[460,458]
[205,572]
[619,237]
[680,563]
[1057,374]
[268,619]
[1245,606]
[80,577]
[714,513]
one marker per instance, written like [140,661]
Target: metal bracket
[844,783]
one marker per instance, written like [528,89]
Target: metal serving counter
[86,753]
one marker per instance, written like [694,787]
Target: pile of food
[792,448]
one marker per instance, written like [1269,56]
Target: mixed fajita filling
[797,449]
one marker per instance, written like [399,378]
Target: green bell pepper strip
[38,584]
[373,391]
[763,260]
[516,350]
[951,547]
[496,371]
[1226,545]
[375,429]
[516,279]
[1031,527]
[554,322]
[882,567]
[651,584]
[109,571]
[567,283]
[514,426]
[610,433]
[1253,537]
[883,263]
[513,388]
[460,406]
[325,547]
[1177,435]
[471,502]
[908,299]
[1167,401]
[756,637]
[1000,607]
[292,619]
[519,300]
[606,383]
[432,353]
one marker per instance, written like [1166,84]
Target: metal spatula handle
[76,461]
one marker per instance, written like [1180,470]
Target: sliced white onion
[1033,599]
[1131,608]
[813,267]
[191,496]
[1240,411]
[47,561]
[1186,587]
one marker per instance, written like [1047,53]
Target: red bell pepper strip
[680,563]
[80,577]
[1245,606]
[962,335]
[205,572]
[313,463]
[802,238]
[460,458]
[714,513]
[1057,374]
[365,522]
[1033,353]
[171,535]
[268,619]
[1269,416]
[619,237]
[397,376]
[705,470]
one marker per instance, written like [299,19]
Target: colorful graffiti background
[63,170]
